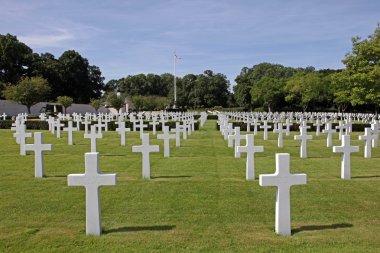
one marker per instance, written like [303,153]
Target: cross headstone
[329,131]
[58,126]
[280,131]
[70,129]
[317,125]
[141,127]
[235,138]
[145,149]
[4,116]
[38,148]
[177,132]
[367,137]
[122,131]
[375,127]
[288,124]
[346,149]
[283,180]
[154,123]
[166,136]
[21,135]
[86,123]
[265,127]
[303,137]
[93,135]
[250,149]
[92,179]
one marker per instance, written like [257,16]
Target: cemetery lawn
[197,200]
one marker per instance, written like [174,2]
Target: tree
[361,77]
[304,89]
[115,101]
[268,92]
[15,59]
[28,91]
[65,101]
[80,80]
[96,103]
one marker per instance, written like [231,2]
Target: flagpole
[175,85]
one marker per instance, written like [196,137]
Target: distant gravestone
[93,135]
[304,138]
[58,126]
[177,132]
[280,131]
[283,180]
[346,149]
[122,131]
[166,136]
[154,123]
[38,148]
[250,149]
[92,179]
[21,135]
[70,129]
[265,127]
[367,138]
[317,125]
[146,149]
[141,127]
[329,131]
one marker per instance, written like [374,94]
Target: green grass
[197,200]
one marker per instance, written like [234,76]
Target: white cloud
[55,38]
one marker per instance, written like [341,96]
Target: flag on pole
[177,57]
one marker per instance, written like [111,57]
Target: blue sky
[131,37]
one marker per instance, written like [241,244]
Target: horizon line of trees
[28,78]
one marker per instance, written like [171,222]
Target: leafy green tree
[268,92]
[96,103]
[116,101]
[80,80]
[305,89]
[65,101]
[28,91]
[361,77]
[15,59]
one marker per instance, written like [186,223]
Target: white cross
[166,136]
[346,149]
[177,131]
[255,124]
[280,131]
[58,125]
[92,180]
[329,131]
[237,137]
[341,128]
[265,127]
[86,123]
[317,125]
[303,137]
[93,136]
[38,148]
[21,135]
[367,137]
[228,130]
[145,149]
[283,180]
[154,123]
[250,149]
[122,131]
[4,116]
[70,129]
[288,124]
[100,125]
[375,130]
[141,126]
[184,131]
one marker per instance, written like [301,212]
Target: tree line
[28,78]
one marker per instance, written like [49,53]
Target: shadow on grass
[140,228]
[53,176]
[366,176]
[113,154]
[321,227]
[163,177]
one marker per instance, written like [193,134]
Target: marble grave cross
[346,149]
[70,129]
[250,149]
[93,135]
[303,137]
[145,149]
[38,148]
[92,180]
[283,180]
[166,136]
